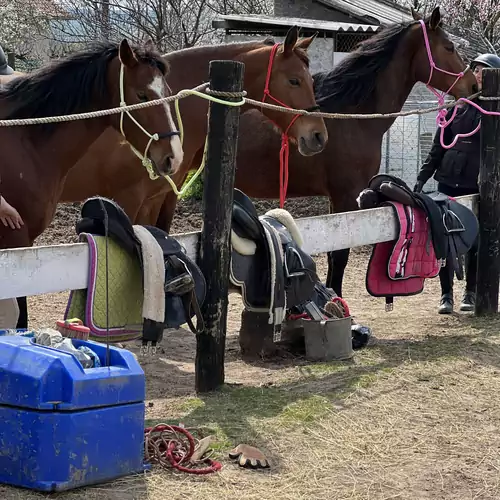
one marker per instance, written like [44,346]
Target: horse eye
[142,96]
[450,49]
[294,82]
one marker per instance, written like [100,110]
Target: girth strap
[183,286]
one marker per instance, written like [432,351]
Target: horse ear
[149,45]
[126,54]
[290,40]
[304,43]
[415,14]
[435,19]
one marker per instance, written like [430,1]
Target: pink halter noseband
[441,121]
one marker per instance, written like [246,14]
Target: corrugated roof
[232,21]
[374,11]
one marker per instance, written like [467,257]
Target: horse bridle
[441,121]
[267,92]
[284,151]
[146,162]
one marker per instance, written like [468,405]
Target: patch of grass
[190,405]
[325,368]
[247,414]
[239,412]
[195,191]
[305,410]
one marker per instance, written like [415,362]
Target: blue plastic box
[63,426]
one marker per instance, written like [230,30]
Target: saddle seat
[267,262]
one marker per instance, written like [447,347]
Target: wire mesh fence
[27,65]
[407,143]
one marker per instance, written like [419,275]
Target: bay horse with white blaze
[376,78]
[35,159]
[276,71]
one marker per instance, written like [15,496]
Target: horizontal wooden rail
[48,269]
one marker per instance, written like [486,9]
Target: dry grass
[413,416]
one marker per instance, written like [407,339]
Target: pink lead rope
[441,121]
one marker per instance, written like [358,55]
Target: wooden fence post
[488,266]
[218,185]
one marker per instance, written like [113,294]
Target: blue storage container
[63,426]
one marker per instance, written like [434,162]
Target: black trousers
[446,274]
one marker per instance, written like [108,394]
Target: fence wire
[407,143]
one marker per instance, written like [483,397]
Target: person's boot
[446,304]
[468,302]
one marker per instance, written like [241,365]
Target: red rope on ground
[171,446]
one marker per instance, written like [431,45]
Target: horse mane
[74,84]
[353,81]
[238,47]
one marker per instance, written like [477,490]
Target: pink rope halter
[441,121]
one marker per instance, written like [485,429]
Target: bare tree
[171,24]
[472,19]
[22,24]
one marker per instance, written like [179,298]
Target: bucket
[328,340]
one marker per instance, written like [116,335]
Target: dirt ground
[413,416]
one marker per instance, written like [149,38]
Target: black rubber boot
[446,304]
[468,303]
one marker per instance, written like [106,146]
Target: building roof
[387,12]
[383,12]
[256,22]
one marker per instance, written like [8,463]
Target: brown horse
[290,82]
[36,158]
[376,78]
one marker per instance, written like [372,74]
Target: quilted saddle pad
[125,293]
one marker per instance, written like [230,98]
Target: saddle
[184,283]
[433,231]
[268,265]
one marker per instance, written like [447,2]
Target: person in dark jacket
[457,170]
[5,69]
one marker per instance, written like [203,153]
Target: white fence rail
[48,269]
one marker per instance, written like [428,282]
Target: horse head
[288,82]
[437,62]
[138,75]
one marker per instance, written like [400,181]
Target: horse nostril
[168,164]
[319,138]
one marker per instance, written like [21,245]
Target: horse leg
[148,213]
[337,262]
[22,321]
[166,212]
[338,259]
[131,200]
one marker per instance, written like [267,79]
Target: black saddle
[453,227]
[185,284]
[273,272]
